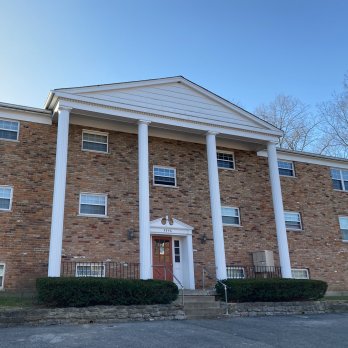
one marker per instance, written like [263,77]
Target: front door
[162,258]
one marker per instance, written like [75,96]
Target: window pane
[95,138]
[5,203]
[337,184]
[230,220]
[5,192]
[293,220]
[9,125]
[225,160]
[8,135]
[2,270]
[226,211]
[336,174]
[299,273]
[95,146]
[235,272]
[164,176]
[343,223]
[93,199]
[344,234]
[92,209]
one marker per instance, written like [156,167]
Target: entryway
[172,253]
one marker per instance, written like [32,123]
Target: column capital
[212,133]
[144,122]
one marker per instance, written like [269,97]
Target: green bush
[271,290]
[82,292]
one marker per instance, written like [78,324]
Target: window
[95,141]
[9,130]
[300,273]
[90,269]
[286,168]
[164,176]
[230,216]
[93,204]
[2,275]
[177,251]
[339,179]
[344,227]
[6,193]
[235,272]
[225,160]
[293,221]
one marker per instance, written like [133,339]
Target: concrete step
[200,299]
[201,305]
[198,292]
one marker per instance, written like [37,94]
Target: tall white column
[215,204]
[144,201]
[57,223]
[279,211]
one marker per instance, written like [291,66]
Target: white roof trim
[171,227]
[305,157]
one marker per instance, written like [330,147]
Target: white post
[144,201]
[57,223]
[190,264]
[215,204]
[279,211]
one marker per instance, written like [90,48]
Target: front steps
[201,304]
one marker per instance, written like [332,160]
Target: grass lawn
[335,298]
[16,300]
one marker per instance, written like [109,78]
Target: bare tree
[334,114]
[295,119]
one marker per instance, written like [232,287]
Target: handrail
[223,284]
[165,276]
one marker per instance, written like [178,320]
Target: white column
[190,264]
[57,223]
[144,201]
[279,211]
[215,204]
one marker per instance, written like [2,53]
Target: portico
[124,107]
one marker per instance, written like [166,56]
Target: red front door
[162,258]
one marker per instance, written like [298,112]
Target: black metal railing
[252,272]
[120,270]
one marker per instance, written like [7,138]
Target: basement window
[344,227]
[286,168]
[9,130]
[6,193]
[164,176]
[299,273]
[235,272]
[95,141]
[225,160]
[93,204]
[2,275]
[293,221]
[230,216]
[90,269]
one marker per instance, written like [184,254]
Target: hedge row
[271,290]
[81,292]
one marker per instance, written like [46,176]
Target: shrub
[82,292]
[272,290]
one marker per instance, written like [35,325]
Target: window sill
[170,186]
[288,176]
[345,191]
[92,215]
[344,241]
[294,230]
[230,169]
[231,225]
[10,140]
[95,151]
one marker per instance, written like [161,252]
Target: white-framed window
[293,221]
[164,176]
[2,275]
[9,130]
[95,141]
[225,159]
[339,179]
[286,168]
[230,216]
[299,273]
[344,227]
[6,194]
[235,272]
[90,269]
[177,257]
[93,204]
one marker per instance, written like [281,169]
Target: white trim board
[308,158]
[27,116]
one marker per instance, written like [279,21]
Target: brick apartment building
[163,177]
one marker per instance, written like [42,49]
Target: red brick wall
[24,239]
[28,166]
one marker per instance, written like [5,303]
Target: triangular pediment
[170,226]
[176,97]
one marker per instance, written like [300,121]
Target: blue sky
[247,51]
